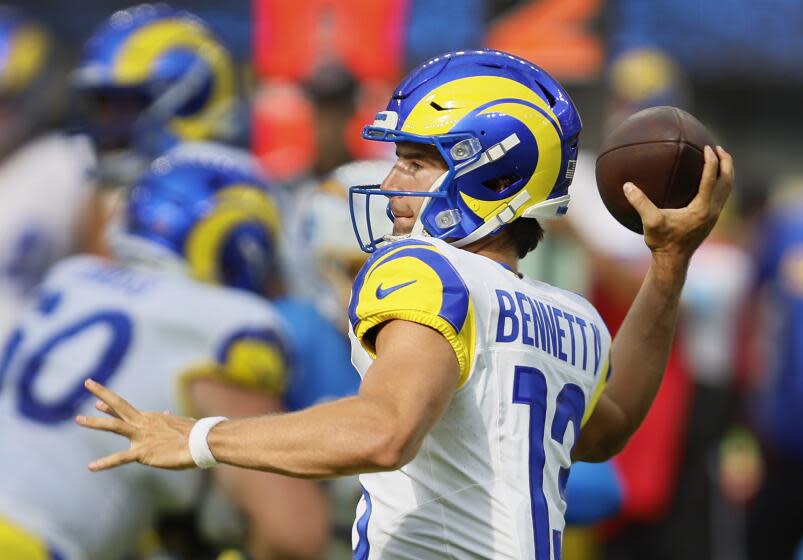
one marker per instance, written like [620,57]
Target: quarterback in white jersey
[533,361]
[479,388]
[146,325]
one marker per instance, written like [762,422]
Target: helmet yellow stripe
[236,205]
[462,96]
[143,48]
[547,167]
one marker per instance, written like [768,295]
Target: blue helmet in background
[153,76]
[211,206]
[507,131]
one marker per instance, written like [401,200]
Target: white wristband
[199,448]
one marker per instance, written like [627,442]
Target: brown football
[660,150]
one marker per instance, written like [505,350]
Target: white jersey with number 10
[143,333]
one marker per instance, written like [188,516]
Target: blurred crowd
[126,141]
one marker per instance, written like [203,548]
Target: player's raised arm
[403,394]
[641,348]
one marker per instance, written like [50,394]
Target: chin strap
[504,216]
[547,209]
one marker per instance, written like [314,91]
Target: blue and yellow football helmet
[164,72]
[210,205]
[495,119]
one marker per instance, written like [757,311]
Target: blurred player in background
[47,195]
[176,319]
[333,91]
[668,468]
[150,77]
[322,262]
[324,258]
[462,419]
[775,520]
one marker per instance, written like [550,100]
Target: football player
[328,261]
[775,516]
[322,256]
[150,77]
[176,319]
[479,387]
[322,263]
[47,195]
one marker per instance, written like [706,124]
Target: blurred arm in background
[287,518]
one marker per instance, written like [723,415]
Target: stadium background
[736,64]
[744,58]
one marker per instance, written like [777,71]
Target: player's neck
[497,249]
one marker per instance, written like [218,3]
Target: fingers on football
[709,178]
[726,176]
[650,214]
[117,403]
[113,460]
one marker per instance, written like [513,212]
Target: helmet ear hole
[500,184]
[548,94]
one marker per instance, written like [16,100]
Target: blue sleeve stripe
[363,548]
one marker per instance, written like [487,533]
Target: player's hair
[525,234]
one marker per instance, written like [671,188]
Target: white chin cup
[418,227]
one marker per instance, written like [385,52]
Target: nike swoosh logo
[382,293]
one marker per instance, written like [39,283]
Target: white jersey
[489,479]
[143,333]
[44,186]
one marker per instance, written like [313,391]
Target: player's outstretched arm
[641,348]
[403,394]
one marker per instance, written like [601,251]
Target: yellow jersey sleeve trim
[601,384]
[15,542]
[256,364]
[249,365]
[427,319]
